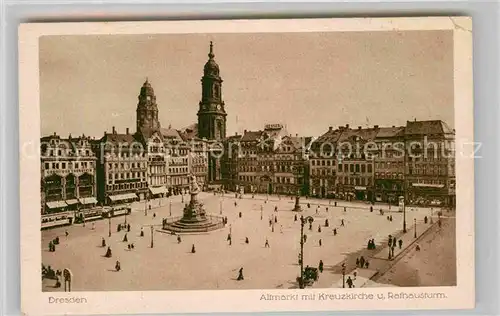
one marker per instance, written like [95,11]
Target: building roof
[388,132]
[427,127]
[189,132]
[250,136]
[171,133]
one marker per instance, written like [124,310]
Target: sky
[305,81]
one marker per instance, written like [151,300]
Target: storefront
[157,192]
[56,206]
[122,198]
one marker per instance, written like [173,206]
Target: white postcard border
[34,301]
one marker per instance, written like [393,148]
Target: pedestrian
[132,245]
[367,264]
[142,232]
[246,240]
[103,242]
[345,209]
[235,204]
[128,246]
[310,226]
[342,222]
[362,261]
[118,266]
[179,239]
[108,253]
[240,275]
[373,243]
[371,208]
[394,242]
[389,242]
[335,203]
[369,247]
[118,228]
[239,214]
[327,223]
[266,245]
[276,219]
[51,246]
[281,229]
[193,250]
[417,248]
[305,238]
[125,239]
[439,222]
[319,228]
[270,222]
[335,232]
[320,266]
[67,234]
[357,262]
[349,282]
[275,208]
[295,218]
[390,218]
[400,242]
[392,251]
[320,242]
[128,227]
[425,220]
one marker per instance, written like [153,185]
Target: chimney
[114,130]
[376,126]
[347,126]
[127,130]
[330,128]
[296,135]
[393,126]
[245,131]
[359,127]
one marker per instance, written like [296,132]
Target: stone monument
[194,218]
[297,207]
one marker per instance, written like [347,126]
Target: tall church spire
[211,113]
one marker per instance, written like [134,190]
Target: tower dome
[211,67]
[146,89]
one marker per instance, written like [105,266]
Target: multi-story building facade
[230,161]
[388,156]
[323,166]
[122,168]
[68,173]
[430,163]
[354,166]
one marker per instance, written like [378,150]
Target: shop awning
[72,201]
[56,204]
[88,200]
[428,185]
[121,197]
[158,190]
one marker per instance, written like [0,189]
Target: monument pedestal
[195,219]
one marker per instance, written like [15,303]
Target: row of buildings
[374,164]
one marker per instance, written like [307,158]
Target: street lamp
[170,207]
[303,221]
[145,206]
[415,225]
[431,211]
[152,232]
[220,207]
[109,224]
[343,275]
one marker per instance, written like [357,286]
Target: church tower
[211,112]
[147,109]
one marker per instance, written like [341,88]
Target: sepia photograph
[274,160]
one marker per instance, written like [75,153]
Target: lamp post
[343,275]
[220,203]
[431,212]
[303,221]
[145,206]
[152,233]
[170,207]
[415,225]
[109,224]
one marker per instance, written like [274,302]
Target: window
[369,168]
[47,165]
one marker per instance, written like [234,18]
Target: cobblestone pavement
[170,265]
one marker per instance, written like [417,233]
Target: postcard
[247,165]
